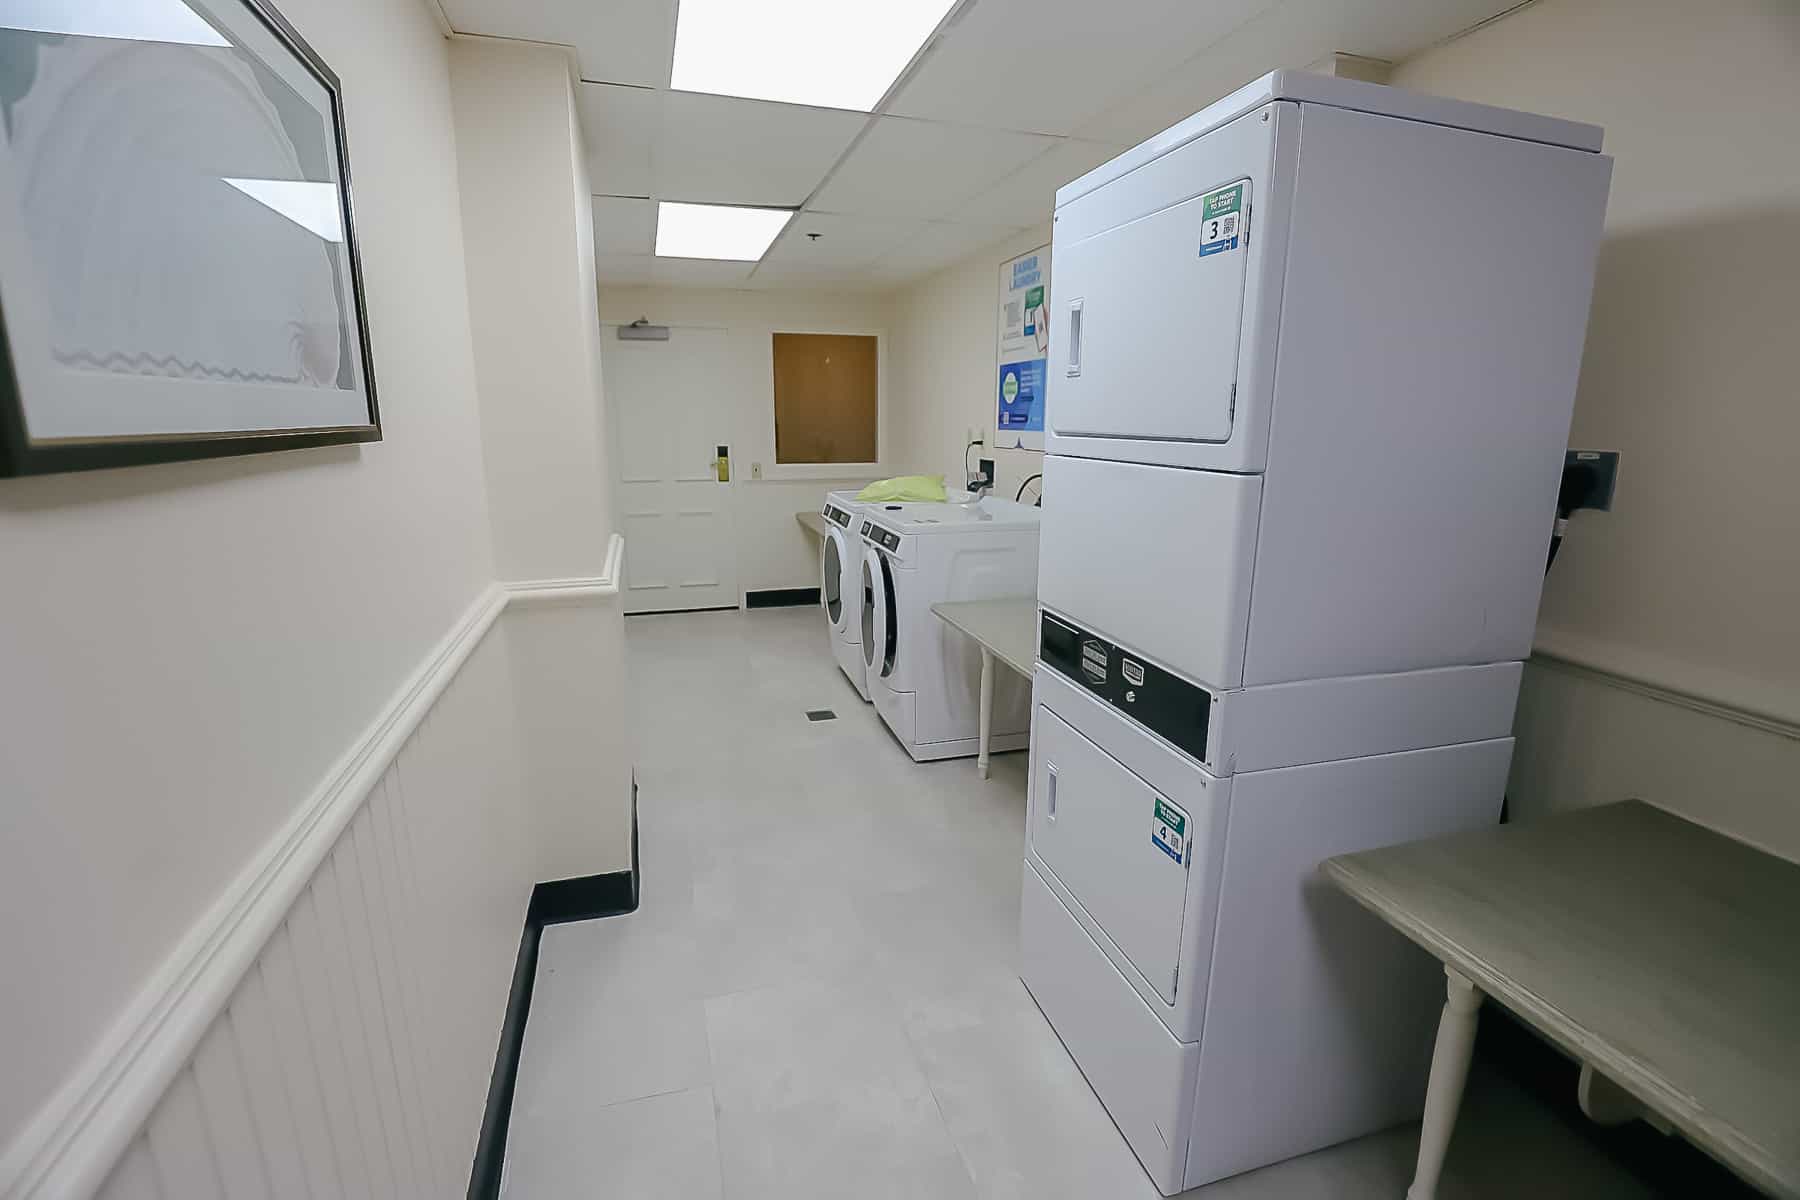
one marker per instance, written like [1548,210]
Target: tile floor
[818,996]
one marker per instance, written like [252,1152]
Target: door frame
[615,444]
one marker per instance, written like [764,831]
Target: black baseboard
[781,597]
[581,899]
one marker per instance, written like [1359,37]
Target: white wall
[188,648]
[1693,580]
[773,551]
[529,242]
[528,238]
[944,367]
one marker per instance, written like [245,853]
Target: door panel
[890,622]
[1120,846]
[871,609]
[1141,535]
[669,417]
[831,577]
[1153,313]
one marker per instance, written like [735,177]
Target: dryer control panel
[1166,704]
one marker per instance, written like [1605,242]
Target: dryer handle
[1050,791]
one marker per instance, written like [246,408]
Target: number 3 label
[1221,217]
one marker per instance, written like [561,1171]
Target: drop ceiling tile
[619,126]
[620,270]
[1052,65]
[838,279]
[724,150]
[1291,34]
[630,43]
[1028,195]
[938,245]
[623,225]
[699,272]
[844,242]
[924,169]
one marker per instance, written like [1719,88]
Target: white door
[1150,304]
[1120,846]
[670,416]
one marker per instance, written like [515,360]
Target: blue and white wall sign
[1023,351]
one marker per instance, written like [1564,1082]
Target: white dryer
[923,676]
[840,583]
[1226,1005]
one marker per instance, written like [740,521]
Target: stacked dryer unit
[1312,369]
[840,586]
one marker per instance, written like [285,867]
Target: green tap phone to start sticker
[1222,219]
[1168,830]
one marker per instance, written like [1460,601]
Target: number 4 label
[1169,829]
[1222,218]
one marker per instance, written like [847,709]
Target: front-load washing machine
[840,585]
[924,677]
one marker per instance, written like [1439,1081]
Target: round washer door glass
[831,576]
[868,608]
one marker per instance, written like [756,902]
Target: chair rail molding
[1771,710]
[68,1147]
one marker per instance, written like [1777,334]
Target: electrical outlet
[756,470]
[1603,468]
[974,437]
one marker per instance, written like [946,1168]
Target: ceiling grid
[1002,103]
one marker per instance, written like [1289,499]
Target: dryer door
[833,572]
[1123,848]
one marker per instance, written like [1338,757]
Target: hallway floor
[818,996]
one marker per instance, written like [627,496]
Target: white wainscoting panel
[353,1058]
[328,1028]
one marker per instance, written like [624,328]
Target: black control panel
[881,537]
[1163,703]
[837,516]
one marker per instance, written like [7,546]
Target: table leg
[1449,1070]
[987,708]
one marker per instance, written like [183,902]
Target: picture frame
[179,270]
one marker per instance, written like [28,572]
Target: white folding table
[1005,630]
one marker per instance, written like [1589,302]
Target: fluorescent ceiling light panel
[831,53]
[716,231]
[129,20]
[312,206]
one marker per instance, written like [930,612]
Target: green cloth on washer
[903,488]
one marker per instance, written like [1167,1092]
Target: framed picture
[178,266]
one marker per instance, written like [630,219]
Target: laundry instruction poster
[1023,358]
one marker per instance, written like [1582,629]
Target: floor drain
[820,714]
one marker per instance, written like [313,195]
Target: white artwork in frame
[178,266]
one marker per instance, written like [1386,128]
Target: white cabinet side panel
[1319,1017]
[1155,558]
[1435,309]
[1318,720]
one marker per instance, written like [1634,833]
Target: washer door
[871,575]
[832,557]
[888,624]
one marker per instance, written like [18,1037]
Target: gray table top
[1007,627]
[812,522]
[1662,953]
